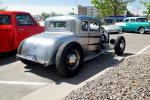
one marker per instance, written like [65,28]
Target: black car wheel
[69,59]
[120,45]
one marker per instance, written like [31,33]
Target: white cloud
[136,8]
[34,10]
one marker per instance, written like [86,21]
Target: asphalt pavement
[18,80]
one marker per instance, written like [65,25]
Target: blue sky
[48,2]
[34,5]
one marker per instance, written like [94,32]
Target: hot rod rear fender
[53,57]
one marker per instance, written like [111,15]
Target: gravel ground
[129,80]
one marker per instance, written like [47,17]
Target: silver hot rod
[67,42]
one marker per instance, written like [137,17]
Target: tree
[71,13]
[147,5]
[128,13]
[111,7]
[2,8]
[46,15]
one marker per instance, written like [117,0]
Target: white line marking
[144,49]
[23,83]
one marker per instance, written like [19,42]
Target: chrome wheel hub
[73,59]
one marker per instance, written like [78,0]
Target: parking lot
[18,80]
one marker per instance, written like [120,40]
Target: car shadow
[7,58]
[89,69]
[127,54]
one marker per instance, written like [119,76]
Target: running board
[92,56]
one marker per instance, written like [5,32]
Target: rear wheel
[120,32]
[69,59]
[142,30]
[123,30]
[120,45]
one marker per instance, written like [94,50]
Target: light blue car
[135,24]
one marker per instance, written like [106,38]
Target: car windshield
[141,20]
[5,20]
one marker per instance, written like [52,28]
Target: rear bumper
[147,30]
[114,31]
[32,60]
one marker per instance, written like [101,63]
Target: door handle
[21,29]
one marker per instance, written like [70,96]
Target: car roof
[74,17]
[134,17]
[12,12]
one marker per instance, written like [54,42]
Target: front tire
[69,59]
[120,45]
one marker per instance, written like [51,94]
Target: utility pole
[137,11]
[73,10]
[77,7]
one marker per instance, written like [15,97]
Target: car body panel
[112,28]
[133,24]
[49,42]
[42,48]
[11,34]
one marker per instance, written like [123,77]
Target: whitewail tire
[142,30]
[120,45]
[69,59]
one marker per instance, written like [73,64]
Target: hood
[111,27]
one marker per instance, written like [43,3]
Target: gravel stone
[130,80]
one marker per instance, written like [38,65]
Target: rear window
[5,20]
[24,20]
[126,20]
[57,24]
[141,20]
[132,20]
